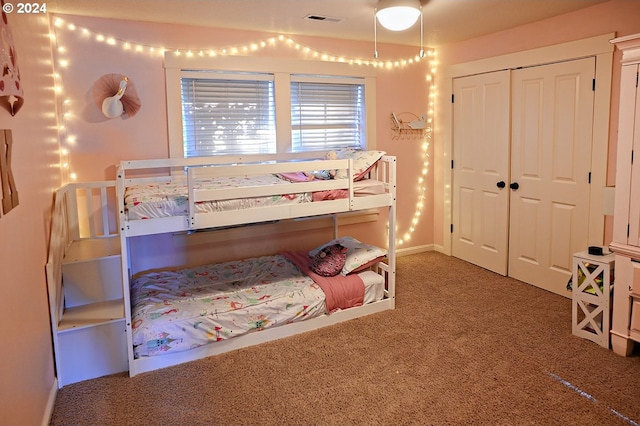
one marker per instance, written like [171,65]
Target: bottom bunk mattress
[174,311]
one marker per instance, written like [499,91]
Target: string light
[127,45]
[63,106]
[426,143]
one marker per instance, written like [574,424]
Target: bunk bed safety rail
[256,214]
[199,195]
[383,269]
[386,172]
[90,209]
[168,163]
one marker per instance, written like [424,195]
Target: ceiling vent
[322,18]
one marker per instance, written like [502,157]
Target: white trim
[414,250]
[370,101]
[600,146]
[51,402]
[212,75]
[282,95]
[630,48]
[543,55]
[174,112]
[439,248]
[304,78]
[598,47]
[266,65]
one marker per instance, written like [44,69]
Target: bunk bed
[211,193]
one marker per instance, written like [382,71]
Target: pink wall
[100,143]
[27,362]
[619,16]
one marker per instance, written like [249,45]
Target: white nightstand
[591,288]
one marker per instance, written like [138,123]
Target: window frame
[282,70]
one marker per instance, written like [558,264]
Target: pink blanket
[341,291]
[330,194]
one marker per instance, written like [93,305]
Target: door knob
[514,186]
[501,184]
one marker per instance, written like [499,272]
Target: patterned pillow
[329,261]
[358,254]
[362,160]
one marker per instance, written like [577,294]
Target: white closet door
[481,170]
[552,115]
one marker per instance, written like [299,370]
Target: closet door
[552,115]
[481,170]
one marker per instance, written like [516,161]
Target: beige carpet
[463,346]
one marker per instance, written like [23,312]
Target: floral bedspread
[167,199]
[178,310]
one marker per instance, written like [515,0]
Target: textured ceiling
[445,21]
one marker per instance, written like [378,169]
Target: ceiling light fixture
[398,15]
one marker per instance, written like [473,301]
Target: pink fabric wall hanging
[108,86]
[11,95]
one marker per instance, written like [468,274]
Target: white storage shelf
[591,297]
[91,274]
[89,352]
[91,315]
[92,248]
[91,333]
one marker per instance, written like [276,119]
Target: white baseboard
[414,250]
[48,412]
[440,249]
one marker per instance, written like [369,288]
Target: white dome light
[398,15]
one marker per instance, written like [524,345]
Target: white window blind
[326,115]
[231,115]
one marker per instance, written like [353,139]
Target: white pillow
[358,253]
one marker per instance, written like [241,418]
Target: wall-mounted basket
[408,123]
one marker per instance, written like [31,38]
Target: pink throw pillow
[329,261]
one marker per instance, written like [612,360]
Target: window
[245,105]
[231,115]
[327,116]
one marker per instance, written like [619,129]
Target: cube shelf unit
[591,296]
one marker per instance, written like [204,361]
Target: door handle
[514,186]
[501,184]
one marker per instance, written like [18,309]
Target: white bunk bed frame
[70,213]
